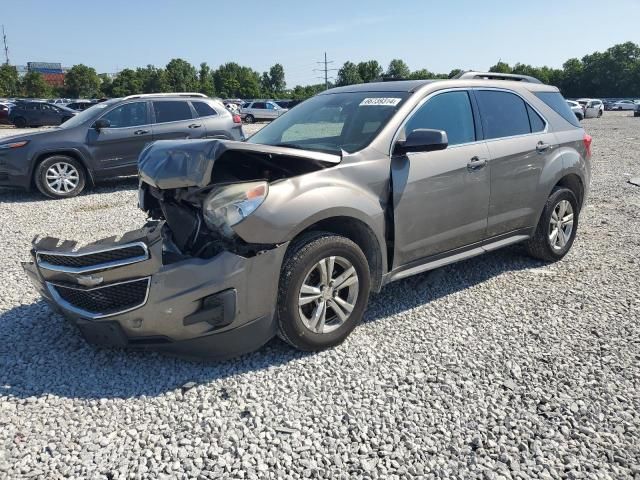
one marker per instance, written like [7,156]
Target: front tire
[323,292]
[60,176]
[557,226]
[249,119]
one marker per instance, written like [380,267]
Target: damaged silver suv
[288,233]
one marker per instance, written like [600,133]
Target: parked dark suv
[286,234]
[105,140]
[39,114]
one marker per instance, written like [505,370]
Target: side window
[451,112]
[204,109]
[258,105]
[128,115]
[503,114]
[270,106]
[537,124]
[171,111]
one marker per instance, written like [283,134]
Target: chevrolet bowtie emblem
[89,281]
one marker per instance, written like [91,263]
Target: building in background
[53,73]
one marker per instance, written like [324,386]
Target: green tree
[454,72]
[276,79]
[205,80]
[500,67]
[152,79]
[423,74]
[9,81]
[265,84]
[35,86]
[348,74]
[369,71]
[181,76]
[233,80]
[106,85]
[126,83]
[398,70]
[82,82]
[301,92]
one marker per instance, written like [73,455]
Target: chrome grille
[94,260]
[102,301]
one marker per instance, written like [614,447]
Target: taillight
[237,119]
[587,143]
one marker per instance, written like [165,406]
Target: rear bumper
[215,308]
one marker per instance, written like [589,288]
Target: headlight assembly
[227,206]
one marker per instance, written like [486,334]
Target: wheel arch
[75,154]
[362,235]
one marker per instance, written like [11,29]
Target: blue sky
[114,34]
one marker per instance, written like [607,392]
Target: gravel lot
[499,367]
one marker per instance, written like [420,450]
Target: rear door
[116,148]
[441,198]
[258,110]
[214,124]
[519,146]
[50,115]
[175,119]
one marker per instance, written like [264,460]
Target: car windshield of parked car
[81,117]
[333,122]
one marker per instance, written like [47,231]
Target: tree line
[612,73]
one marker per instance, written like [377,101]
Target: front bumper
[133,292]
[14,168]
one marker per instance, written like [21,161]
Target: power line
[6,48]
[326,70]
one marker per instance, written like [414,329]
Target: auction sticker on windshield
[387,102]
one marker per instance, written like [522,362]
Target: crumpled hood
[169,164]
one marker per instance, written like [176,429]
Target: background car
[4,113]
[38,114]
[577,109]
[261,110]
[593,107]
[623,105]
[105,140]
[80,105]
[636,112]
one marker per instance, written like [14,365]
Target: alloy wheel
[561,225]
[62,177]
[328,294]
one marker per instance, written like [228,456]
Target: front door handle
[477,163]
[140,132]
[195,125]
[542,147]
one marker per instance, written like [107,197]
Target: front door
[116,148]
[441,198]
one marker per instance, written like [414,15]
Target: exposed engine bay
[202,188]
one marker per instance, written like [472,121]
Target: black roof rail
[471,75]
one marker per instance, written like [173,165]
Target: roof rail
[471,75]
[178,94]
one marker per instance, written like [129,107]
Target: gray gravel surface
[499,367]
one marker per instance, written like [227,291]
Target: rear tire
[556,228]
[319,310]
[20,122]
[60,176]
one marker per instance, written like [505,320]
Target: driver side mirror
[422,140]
[101,123]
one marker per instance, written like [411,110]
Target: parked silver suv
[289,232]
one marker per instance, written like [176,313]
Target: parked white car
[593,107]
[624,105]
[261,110]
[577,109]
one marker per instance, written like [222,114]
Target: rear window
[204,109]
[556,102]
[171,111]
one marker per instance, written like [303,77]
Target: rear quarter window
[204,109]
[557,103]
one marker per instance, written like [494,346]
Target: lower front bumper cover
[216,308]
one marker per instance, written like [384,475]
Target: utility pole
[326,70]
[6,48]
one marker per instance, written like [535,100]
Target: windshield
[333,122]
[86,115]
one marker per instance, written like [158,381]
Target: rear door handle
[140,132]
[477,163]
[195,125]
[542,147]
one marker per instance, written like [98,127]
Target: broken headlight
[226,206]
